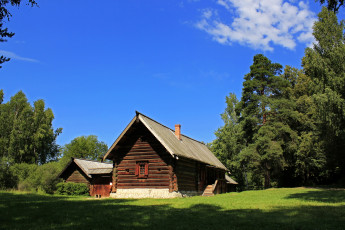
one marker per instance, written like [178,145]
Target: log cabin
[95,174]
[151,160]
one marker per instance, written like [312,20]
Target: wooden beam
[114,185]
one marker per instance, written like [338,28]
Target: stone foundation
[136,193]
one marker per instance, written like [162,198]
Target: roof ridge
[138,113]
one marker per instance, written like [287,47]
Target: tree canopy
[26,132]
[289,127]
[324,64]
[88,147]
[333,5]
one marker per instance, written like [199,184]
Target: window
[142,169]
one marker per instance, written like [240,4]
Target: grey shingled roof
[186,147]
[230,180]
[93,167]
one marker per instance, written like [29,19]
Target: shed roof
[90,167]
[185,147]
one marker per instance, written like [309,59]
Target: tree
[266,113]
[304,159]
[228,142]
[256,89]
[324,64]
[6,15]
[333,5]
[26,132]
[88,147]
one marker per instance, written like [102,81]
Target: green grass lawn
[292,208]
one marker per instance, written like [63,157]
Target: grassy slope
[296,208]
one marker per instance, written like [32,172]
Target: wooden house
[152,160]
[95,174]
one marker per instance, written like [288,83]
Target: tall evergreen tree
[262,119]
[324,64]
[257,87]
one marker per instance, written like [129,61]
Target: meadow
[283,208]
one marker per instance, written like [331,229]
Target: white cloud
[12,55]
[260,24]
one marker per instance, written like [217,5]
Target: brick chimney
[178,131]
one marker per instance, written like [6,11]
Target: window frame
[138,172]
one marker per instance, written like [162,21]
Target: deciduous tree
[325,65]
[26,132]
[333,5]
[88,147]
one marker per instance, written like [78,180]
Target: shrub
[74,189]
[7,180]
[47,177]
[20,173]
[31,177]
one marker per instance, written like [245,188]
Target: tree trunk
[267,178]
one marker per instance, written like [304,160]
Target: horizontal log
[186,180]
[158,160]
[151,173]
[126,163]
[142,157]
[186,185]
[151,187]
[142,152]
[152,166]
[185,173]
[142,184]
[146,181]
[120,176]
[187,163]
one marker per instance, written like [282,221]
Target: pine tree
[266,117]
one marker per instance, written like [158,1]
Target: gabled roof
[90,167]
[186,147]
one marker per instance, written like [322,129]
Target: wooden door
[101,186]
[100,190]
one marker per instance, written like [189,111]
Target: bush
[74,189]
[20,173]
[7,180]
[31,177]
[46,177]
[24,186]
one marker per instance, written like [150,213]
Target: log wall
[187,174]
[145,148]
[77,176]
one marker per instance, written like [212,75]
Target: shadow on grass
[30,211]
[322,195]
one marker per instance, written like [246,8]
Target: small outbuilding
[95,174]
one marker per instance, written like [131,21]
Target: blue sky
[94,63]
